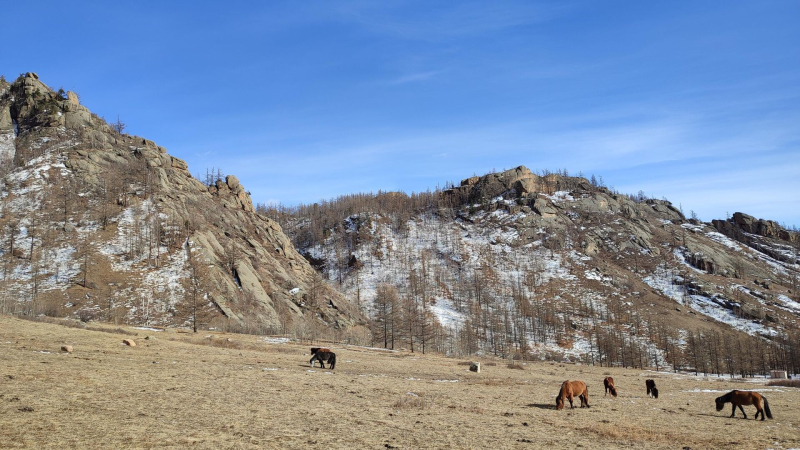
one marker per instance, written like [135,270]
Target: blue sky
[698,102]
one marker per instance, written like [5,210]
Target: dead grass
[784,383]
[284,349]
[627,433]
[47,319]
[113,330]
[182,390]
[412,401]
[516,366]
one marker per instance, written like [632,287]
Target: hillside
[99,224]
[553,266]
[176,390]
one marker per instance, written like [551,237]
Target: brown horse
[323,354]
[651,388]
[608,382]
[570,389]
[744,398]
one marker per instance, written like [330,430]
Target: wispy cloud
[425,20]
[414,77]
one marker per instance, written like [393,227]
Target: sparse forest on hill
[550,266]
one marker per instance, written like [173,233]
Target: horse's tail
[655,393]
[586,395]
[766,407]
[332,361]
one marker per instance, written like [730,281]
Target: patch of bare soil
[176,390]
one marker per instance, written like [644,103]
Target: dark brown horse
[323,355]
[651,388]
[570,389]
[608,382]
[745,398]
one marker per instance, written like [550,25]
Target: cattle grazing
[570,389]
[323,355]
[651,388]
[608,382]
[745,398]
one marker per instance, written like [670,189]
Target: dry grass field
[179,390]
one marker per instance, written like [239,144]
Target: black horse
[651,388]
[323,355]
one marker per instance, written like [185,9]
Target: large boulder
[543,207]
[520,179]
[72,98]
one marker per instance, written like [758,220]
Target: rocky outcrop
[73,98]
[519,179]
[665,209]
[126,183]
[741,222]
[232,194]
[544,208]
[765,236]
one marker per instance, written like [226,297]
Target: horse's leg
[743,413]
[759,411]
[311,361]
[733,410]
[571,406]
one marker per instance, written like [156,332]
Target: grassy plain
[179,390]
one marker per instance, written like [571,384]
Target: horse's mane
[725,398]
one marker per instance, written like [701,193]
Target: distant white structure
[778,374]
[294,290]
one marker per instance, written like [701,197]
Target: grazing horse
[323,354]
[570,389]
[651,388]
[744,398]
[608,382]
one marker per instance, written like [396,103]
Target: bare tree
[118,126]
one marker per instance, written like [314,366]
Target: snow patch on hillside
[789,303]
[447,315]
[724,240]
[671,286]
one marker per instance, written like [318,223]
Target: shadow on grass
[316,368]
[718,416]
[540,405]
